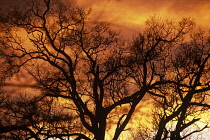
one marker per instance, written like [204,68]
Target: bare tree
[180,103]
[25,117]
[81,64]
[87,64]
[185,99]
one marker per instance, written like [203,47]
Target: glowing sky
[131,14]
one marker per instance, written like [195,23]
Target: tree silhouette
[180,103]
[26,118]
[88,65]
[189,95]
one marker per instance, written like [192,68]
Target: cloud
[140,7]
[133,13]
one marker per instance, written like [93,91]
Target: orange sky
[130,15]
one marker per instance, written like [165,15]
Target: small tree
[26,117]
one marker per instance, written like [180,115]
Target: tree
[180,103]
[87,64]
[189,95]
[28,118]
[77,71]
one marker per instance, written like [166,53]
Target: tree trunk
[101,128]
[160,130]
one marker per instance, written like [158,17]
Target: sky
[130,15]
